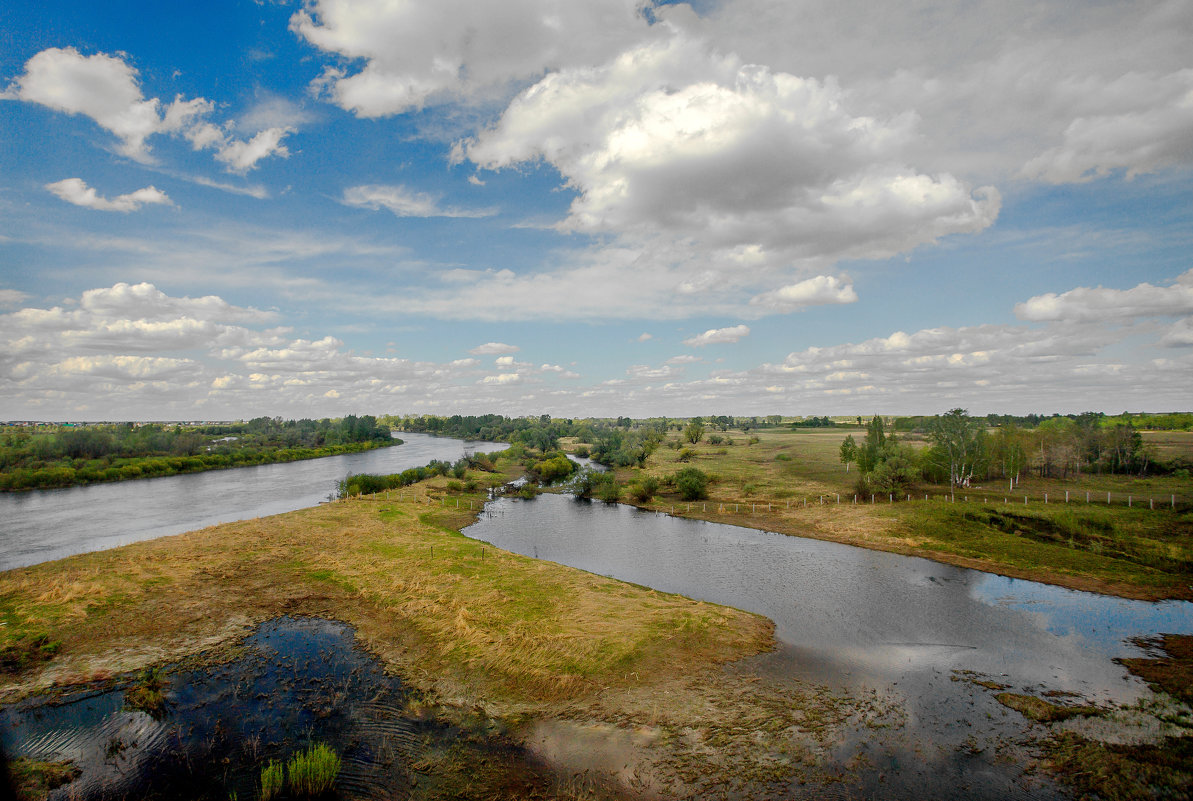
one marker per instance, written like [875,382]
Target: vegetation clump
[34,779]
[146,695]
[312,772]
[273,780]
[691,483]
[1042,711]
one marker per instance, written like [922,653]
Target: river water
[50,524]
[906,627]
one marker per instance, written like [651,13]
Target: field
[1138,546]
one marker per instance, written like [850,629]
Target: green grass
[273,780]
[312,772]
[1148,549]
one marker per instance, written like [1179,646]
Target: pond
[50,524]
[296,682]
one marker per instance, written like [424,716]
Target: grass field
[793,482]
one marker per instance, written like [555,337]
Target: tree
[960,440]
[848,451]
[694,432]
[873,449]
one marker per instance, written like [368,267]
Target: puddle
[297,681]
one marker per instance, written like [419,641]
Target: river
[49,524]
[911,629]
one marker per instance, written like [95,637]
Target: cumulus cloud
[758,167]
[719,336]
[76,191]
[494,349]
[819,291]
[1071,95]
[107,89]
[419,53]
[404,202]
[1101,304]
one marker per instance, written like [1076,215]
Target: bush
[685,455]
[692,484]
[582,451]
[644,489]
[715,439]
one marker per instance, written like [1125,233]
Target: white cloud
[76,191]
[684,358]
[420,53]
[645,337]
[1100,304]
[1144,125]
[106,89]
[404,202]
[819,291]
[493,349]
[718,336]
[730,164]
[242,156]
[1180,334]
[12,297]
[501,378]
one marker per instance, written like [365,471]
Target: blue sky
[225,210]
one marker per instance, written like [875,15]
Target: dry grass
[460,616]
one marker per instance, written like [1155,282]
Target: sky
[610,207]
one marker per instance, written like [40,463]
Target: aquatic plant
[273,779]
[146,695]
[313,772]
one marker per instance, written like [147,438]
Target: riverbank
[792,482]
[104,472]
[558,655]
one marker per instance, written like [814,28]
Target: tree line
[964,449]
[70,455]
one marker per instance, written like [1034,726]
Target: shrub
[692,484]
[645,488]
[715,439]
[582,451]
[455,486]
[685,455]
[783,457]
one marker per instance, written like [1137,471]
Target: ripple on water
[298,681]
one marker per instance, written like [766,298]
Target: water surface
[49,524]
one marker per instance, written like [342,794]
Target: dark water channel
[297,681]
[49,524]
[862,619]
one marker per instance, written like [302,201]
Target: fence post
[1066,496]
[1045,497]
[1128,501]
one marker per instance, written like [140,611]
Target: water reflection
[50,524]
[869,613]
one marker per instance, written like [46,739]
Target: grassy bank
[490,623]
[793,482]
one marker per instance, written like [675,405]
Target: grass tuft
[312,772]
[273,780]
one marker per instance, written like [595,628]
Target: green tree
[960,443]
[848,451]
[694,432]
